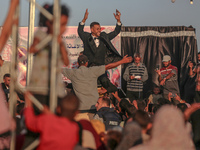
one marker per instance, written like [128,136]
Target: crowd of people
[88,117]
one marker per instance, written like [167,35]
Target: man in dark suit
[6,85]
[98,47]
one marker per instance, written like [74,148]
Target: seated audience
[6,85]
[168,132]
[131,136]
[106,114]
[143,119]
[112,139]
[90,138]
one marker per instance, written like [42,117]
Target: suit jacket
[6,91]
[111,54]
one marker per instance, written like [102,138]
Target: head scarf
[131,136]
[169,131]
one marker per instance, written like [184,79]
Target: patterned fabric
[132,69]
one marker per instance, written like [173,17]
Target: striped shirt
[134,70]
[171,85]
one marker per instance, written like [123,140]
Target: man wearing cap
[135,75]
[168,77]
[84,81]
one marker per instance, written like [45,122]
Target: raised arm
[191,71]
[85,16]
[9,21]
[81,26]
[125,60]
[117,16]
[117,30]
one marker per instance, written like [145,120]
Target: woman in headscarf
[169,131]
[131,136]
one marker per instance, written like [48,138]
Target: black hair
[142,118]
[6,75]
[64,11]
[82,59]
[130,110]
[163,101]
[106,100]
[198,53]
[141,104]
[69,105]
[125,105]
[94,23]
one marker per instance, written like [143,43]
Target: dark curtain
[153,43]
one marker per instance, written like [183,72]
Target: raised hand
[85,16]
[127,59]
[190,64]
[117,16]
[158,72]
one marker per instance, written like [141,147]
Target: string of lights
[191,1]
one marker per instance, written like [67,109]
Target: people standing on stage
[98,47]
[196,71]
[135,75]
[168,77]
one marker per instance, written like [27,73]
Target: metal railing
[14,85]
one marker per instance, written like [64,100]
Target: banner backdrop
[153,43]
[73,44]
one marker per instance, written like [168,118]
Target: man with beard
[168,77]
[135,75]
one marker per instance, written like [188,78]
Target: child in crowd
[56,132]
[40,77]
[153,98]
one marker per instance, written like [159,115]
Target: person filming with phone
[167,77]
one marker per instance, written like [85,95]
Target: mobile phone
[173,95]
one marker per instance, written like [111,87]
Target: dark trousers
[197,96]
[105,82]
[134,95]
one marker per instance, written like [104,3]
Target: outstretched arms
[125,60]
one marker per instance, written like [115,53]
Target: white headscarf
[168,132]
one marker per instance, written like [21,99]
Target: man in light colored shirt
[84,81]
